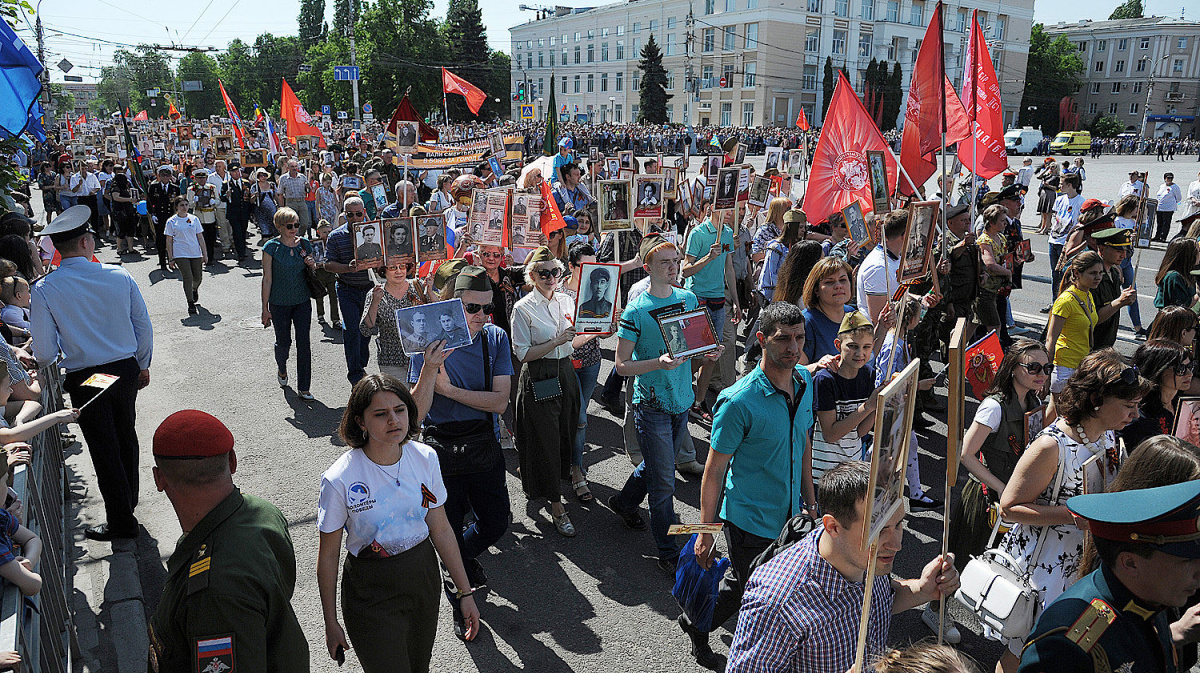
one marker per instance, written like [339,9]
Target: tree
[827,82]
[893,97]
[1104,126]
[312,22]
[653,95]
[132,74]
[397,46]
[204,69]
[1130,9]
[1058,67]
[341,16]
[61,102]
[467,40]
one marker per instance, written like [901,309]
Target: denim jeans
[351,300]
[587,383]
[1135,315]
[654,478]
[1055,275]
[283,318]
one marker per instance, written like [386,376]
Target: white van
[1022,141]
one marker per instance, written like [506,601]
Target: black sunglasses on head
[476,308]
[1129,375]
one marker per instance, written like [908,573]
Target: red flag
[801,120]
[82,119]
[297,118]
[552,219]
[405,112]
[142,116]
[839,168]
[985,154]
[172,111]
[233,115]
[70,129]
[983,361]
[452,83]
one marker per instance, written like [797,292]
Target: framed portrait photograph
[1035,420]
[612,166]
[760,191]
[614,206]
[368,251]
[223,145]
[686,159]
[648,192]
[688,334]
[593,154]
[856,223]
[917,258]
[431,238]
[796,163]
[494,164]
[670,183]
[715,163]
[683,196]
[496,142]
[726,191]
[399,241]
[523,223]
[254,158]
[889,455]
[595,305]
[423,324]
[681,163]
[1187,419]
[626,174]
[1145,223]
[408,134]
[877,171]
[626,160]
[743,183]
[184,132]
[773,159]
[739,155]
[304,145]
[496,220]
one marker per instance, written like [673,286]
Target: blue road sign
[346,73]
[366,107]
[325,109]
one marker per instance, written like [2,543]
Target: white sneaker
[952,636]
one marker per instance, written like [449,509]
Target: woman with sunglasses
[1081,450]
[505,282]
[1168,365]
[994,442]
[286,301]
[1178,324]
[546,413]
[379,320]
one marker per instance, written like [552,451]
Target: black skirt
[545,431]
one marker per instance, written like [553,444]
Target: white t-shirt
[877,276]
[1066,216]
[183,231]
[989,413]
[380,517]
[1124,223]
[217,183]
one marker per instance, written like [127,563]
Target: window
[750,73]
[866,11]
[1144,43]
[1122,44]
[637,80]
[541,60]
[541,42]
[670,81]
[529,59]
[564,56]
[1101,45]
[670,112]
[671,23]
[634,113]
[620,30]
[591,53]
[706,77]
[591,34]
[893,11]
[541,87]
[814,6]
[839,42]
[960,22]
[564,84]
[1092,108]
[516,46]
[998,30]
[1112,108]
[1082,46]
[751,36]
[917,14]
[809,81]
[726,114]
[637,27]
[731,5]
[576,54]
[604,81]
[1116,87]
[729,42]
[747,114]
[1133,108]
[1141,65]
[529,44]
[841,7]
[576,83]
[1174,88]
[1099,66]
[1137,87]
[618,114]
[1119,67]
[916,50]
[603,51]
[670,44]
[709,6]
[653,25]
[727,74]
[637,47]
[893,49]
[591,84]
[708,37]
[1182,44]
[603,32]
[751,4]
[1177,66]
[576,36]
[619,84]
[864,44]
[812,39]
[620,50]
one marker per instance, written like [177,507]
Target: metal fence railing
[39,627]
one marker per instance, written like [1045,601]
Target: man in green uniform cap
[1113,244]
[1117,617]
[226,606]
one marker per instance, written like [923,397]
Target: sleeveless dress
[1058,562]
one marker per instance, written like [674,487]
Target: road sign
[72,78]
[366,106]
[357,125]
[304,67]
[152,93]
[65,65]
[325,109]
[342,114]
[724,82]
[347,73]
[193,85]
[368,117]
[526,112]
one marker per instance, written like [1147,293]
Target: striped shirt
[835,393]
[339,247]
[800,614]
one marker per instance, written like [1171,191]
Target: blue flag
[35,128]
[19,83]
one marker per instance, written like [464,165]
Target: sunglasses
[351,213]
[1184,367]
[546,274]
[476,308]
[294,225]
[490,255]
[1129,375]
[1035,368]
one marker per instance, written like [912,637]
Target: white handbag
[998,590]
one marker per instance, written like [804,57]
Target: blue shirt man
[352,286]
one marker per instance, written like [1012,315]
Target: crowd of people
[809,326]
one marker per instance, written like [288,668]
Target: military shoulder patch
[1091,625]
[198,570]
[215,655]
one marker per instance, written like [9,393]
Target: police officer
[1117,617]
[227,600]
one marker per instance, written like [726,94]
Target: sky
[87,33]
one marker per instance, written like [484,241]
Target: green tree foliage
[827,83]
[61,102]
[653,95]
[893,98]
[1130,9]
[1057,66]
[341,16]
[397,45]
[132,73]
[205,69]
[312,22]
[1104,126]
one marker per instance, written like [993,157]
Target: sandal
[582,492]
[700,413]
[564,525]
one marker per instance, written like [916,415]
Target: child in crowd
[186,251]
[18,569]
[14,292]
[845,399]
[24,431]
[327,278]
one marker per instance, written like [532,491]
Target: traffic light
[521,90]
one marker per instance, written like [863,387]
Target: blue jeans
[283,318]
[657,432]
[1055,274]
[1135,315]
[351,301]
[587,383]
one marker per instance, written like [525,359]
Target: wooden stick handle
[861,651]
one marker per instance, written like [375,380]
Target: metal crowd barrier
[39,628]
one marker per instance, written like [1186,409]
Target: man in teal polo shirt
[707,270]
[766,463]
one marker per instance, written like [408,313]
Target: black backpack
[793,531]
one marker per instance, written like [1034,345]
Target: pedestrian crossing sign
[526,112]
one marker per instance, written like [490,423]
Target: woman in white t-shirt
[386,497]
[185,250]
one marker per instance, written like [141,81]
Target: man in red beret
[227,600]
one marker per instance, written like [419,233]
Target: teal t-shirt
[708,282]
[660,390]
[288,287]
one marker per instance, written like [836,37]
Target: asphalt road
[596,602]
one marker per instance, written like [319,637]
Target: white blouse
[536,320]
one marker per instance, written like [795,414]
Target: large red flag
[299,122]
[802,120]
[142,116]
[405,112]
[82,119]
[452,83]
[840,173]
[932,107]
[984,154]
[552,219]
[233,115]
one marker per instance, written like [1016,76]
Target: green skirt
[390,606]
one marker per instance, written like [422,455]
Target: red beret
[192,434]
[1091,203]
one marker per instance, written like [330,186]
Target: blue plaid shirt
[800,614]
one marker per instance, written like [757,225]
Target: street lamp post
[612,105]
[542,107]
[1149,92]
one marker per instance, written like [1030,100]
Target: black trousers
[210,239]
[160,238]
[1163,220]
[109,427]
[238,224]
[743,548]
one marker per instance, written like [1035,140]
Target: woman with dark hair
[1168,366]
[994,442]
[774,255]
[587,357]
[794,272]
[1076,454]
[826,297]
[1176,284]
[385,496]
[16,249]
[1179,324]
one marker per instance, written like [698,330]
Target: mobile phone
[941,379]
[339,655]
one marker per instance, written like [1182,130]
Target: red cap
[1091,203]
[192,434]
